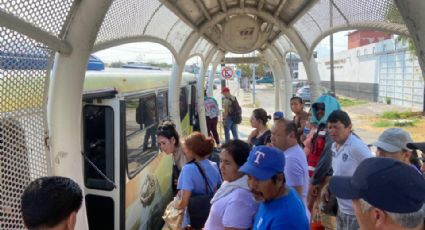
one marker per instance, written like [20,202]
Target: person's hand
[315,190]
[312,193]
[303,137]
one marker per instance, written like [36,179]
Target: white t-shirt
[345,161]
[236,210]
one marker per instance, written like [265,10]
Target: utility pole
[253,84]
[331,40]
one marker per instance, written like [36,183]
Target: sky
[154,52]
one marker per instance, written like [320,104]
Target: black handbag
[199,205]
[174,177]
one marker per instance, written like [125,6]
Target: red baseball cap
[225,89]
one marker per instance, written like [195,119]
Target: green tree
[260,69]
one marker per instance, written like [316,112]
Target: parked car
[266,79]
[305,94]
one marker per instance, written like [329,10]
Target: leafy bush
[390,115]
[345,102]
[383,123]
[397,115]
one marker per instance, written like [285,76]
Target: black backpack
[235,111]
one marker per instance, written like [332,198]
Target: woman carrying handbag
[198,181]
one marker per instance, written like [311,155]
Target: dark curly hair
[168,129]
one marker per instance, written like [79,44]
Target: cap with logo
[384,183]
[264,162]
[393,140]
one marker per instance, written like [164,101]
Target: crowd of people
[312,170]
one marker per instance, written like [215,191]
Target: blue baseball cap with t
[385,183]
[264,162]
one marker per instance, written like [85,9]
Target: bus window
[141,125]
[162,100]
[183,103]
[98,146]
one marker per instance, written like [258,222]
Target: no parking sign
[227,72]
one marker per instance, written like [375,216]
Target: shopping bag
[173,217]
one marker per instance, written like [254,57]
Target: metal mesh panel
[127,18]
[178,35]
[317,20]
[161,23]
[284,44]
[46,14]
[207,50]
[201,47]
[23,85]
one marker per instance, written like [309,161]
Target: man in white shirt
[348,151]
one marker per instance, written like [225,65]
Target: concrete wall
[375,72]
[359,90]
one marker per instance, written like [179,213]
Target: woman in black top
[261,132]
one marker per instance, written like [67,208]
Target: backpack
[235,111]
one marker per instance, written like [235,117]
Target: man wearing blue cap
[386,194]
[281,207]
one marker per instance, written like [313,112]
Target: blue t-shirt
[191,179]
[286,212]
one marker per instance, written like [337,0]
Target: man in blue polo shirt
[281,207]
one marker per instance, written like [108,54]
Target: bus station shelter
[51,40]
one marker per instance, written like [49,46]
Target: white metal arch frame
[200,55]
[283,70]
[277,75]
[64,107]
[176,76]
[200,92]
[293,36]
[142,38]
[413,15]
[216,60]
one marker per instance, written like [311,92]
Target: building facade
[383,72]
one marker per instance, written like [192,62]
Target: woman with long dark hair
[169,143]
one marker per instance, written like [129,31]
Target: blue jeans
[230,126]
